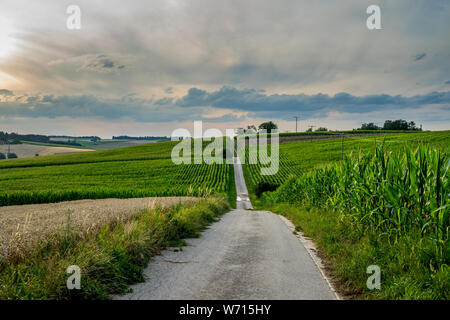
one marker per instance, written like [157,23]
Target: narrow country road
[242,199]
[246,255]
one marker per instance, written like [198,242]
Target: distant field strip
[30,150]
[138,171]
[142,152]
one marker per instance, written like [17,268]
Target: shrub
[2,156]
[12,155]
[264,186]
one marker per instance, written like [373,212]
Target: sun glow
[7,42]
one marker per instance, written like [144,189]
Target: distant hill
[150,138]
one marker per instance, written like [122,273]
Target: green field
[147,170]
[88,144]
[51,144]
[338,132]
[138,171]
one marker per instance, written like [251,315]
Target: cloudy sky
[147,68]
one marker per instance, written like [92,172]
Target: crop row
[302,156]
[120,179]
[392,193]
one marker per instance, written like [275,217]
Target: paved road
[246,255]
[243,200]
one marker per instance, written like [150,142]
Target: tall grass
[387,191]
[111,257]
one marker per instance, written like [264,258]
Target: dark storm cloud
[200,104]
[419,56]
[168,90]
[258,102]
[6,93]
[101,64]
[86,106]
[225,118]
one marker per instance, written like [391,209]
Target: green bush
[264,186]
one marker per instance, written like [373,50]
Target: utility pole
[296,118]
[311,127]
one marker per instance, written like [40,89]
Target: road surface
[242,199]
[246,255]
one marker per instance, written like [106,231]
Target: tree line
[15,138]
[392,125]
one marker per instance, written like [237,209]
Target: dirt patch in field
[30,150]
[22,226]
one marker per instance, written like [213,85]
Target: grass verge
[348,251]
[110,257]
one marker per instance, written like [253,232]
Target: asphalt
[242,198]
[246,255]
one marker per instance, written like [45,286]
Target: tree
[250,129]
[369,126]
[400,125]
[322,129]
[12,155]
[268,126]
[2,156]
[412,126]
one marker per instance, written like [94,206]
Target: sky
[148,68]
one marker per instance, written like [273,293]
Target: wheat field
[22,227]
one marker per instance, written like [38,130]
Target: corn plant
[393,193]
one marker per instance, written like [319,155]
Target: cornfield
[302,156]
[142,171]
[254,177]
[391,192]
